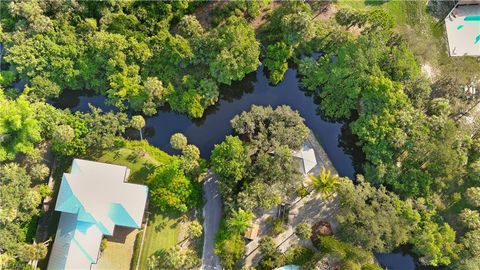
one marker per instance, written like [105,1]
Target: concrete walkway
[212,214]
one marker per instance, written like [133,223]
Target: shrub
[303,230]
[472,196]
[103,244]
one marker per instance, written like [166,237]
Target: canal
[212,128]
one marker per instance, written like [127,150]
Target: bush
[276,59]
[344,251]
[278,226]
[170,188]
[297,255]
[303,231]
[178,141]
[229,247]
[472,196]
[470,218]
[103,244]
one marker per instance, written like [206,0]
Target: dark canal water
[215,125]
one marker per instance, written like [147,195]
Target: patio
[119,251]
[463,30]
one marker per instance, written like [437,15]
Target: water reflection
[215,125]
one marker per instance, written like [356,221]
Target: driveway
[212,214]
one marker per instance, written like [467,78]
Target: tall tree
[374,218]
[236,51]
[138,122]
[19,129]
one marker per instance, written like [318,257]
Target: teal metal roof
[93,199]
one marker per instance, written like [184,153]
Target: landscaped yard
[119,250]
[139,157]
[162,228]
[162,233]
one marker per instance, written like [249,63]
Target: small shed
[307,156]
[252,232]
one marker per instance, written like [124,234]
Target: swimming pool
[472,18]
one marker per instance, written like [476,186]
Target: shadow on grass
[165,216]
[375,2]
[140,176]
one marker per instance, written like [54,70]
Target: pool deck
[463,30]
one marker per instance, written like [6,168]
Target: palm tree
[240,220]
[138,122]
[31,253]
[324,183]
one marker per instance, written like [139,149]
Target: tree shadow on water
[236,90]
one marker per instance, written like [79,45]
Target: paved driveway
[212,214]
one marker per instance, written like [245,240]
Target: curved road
[212,214]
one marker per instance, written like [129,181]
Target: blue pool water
[472,18]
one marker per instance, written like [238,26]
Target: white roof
[463,30]
[93,199]
[73,249]
[307,155]
[97,185]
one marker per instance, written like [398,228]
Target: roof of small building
[307,155]
[93,199]
[252,232]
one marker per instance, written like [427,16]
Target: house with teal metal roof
[93,198]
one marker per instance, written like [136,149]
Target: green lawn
[162,229]
[162,233]
[139,157]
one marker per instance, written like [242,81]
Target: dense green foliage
[127,51]
[269,137]
[229,246]
[422,160]
[19,206]
[19,129]
[256,169]
[276,61]
[374,218]
[170,188]
[411,143]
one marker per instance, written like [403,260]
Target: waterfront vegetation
[383,70]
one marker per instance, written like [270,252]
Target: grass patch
[162,234]
[162,228]
[351,4]
[140,157]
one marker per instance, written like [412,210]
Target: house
[463,28]
[93,198]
